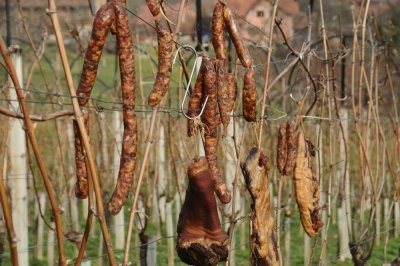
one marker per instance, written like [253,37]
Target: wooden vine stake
[12,238]
[39,159]
[85,140]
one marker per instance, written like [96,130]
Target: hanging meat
[165,47]
[287,147]
[113,17]
[81,187]
[211,120]
[306,187]
[161,85]
[263,241]
[201,239]
[128,87]
[249,82]
[195,101]
[103,23]
[218,35]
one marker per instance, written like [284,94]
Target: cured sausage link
[218,38]
[129,141]
[249,96]
[211,120]
[241,49]
[154,7]
[161,84]
[81,187]
[104,21]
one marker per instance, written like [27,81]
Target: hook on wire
[189,48]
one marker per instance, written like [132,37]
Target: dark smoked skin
[218,38]
[281,149]
[104,21]
[241,49]
[161,85]
[211,120]
[201,239]
[129,141]
[291,140]
[154,7]
[81,187]
[249,96]
[195,101]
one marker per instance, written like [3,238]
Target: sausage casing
[161,84]
[128,87]
[249,96]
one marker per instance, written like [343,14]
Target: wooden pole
[85,139]
[12,238]
[32,138]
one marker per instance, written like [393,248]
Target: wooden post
[152,251]
[286,238]
[17,174]
[396,219]
[118,220]
[161,181]
[344,214]
[40,227]
[170,232]
[50,246]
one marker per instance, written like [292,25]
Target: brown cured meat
[104,21]
[263,241]
[154,7]
[161,85]
[211,121]
[291,140]
[281,149]
[218,38]
[287,147]
[195,101]
[249,96]
[241,50]
[306,188]
[129,141]
[227,91]
[201,239]
[81,187]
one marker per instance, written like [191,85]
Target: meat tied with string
[195,101]
[263,240]
[201,239]
[306,187]
[211,120]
